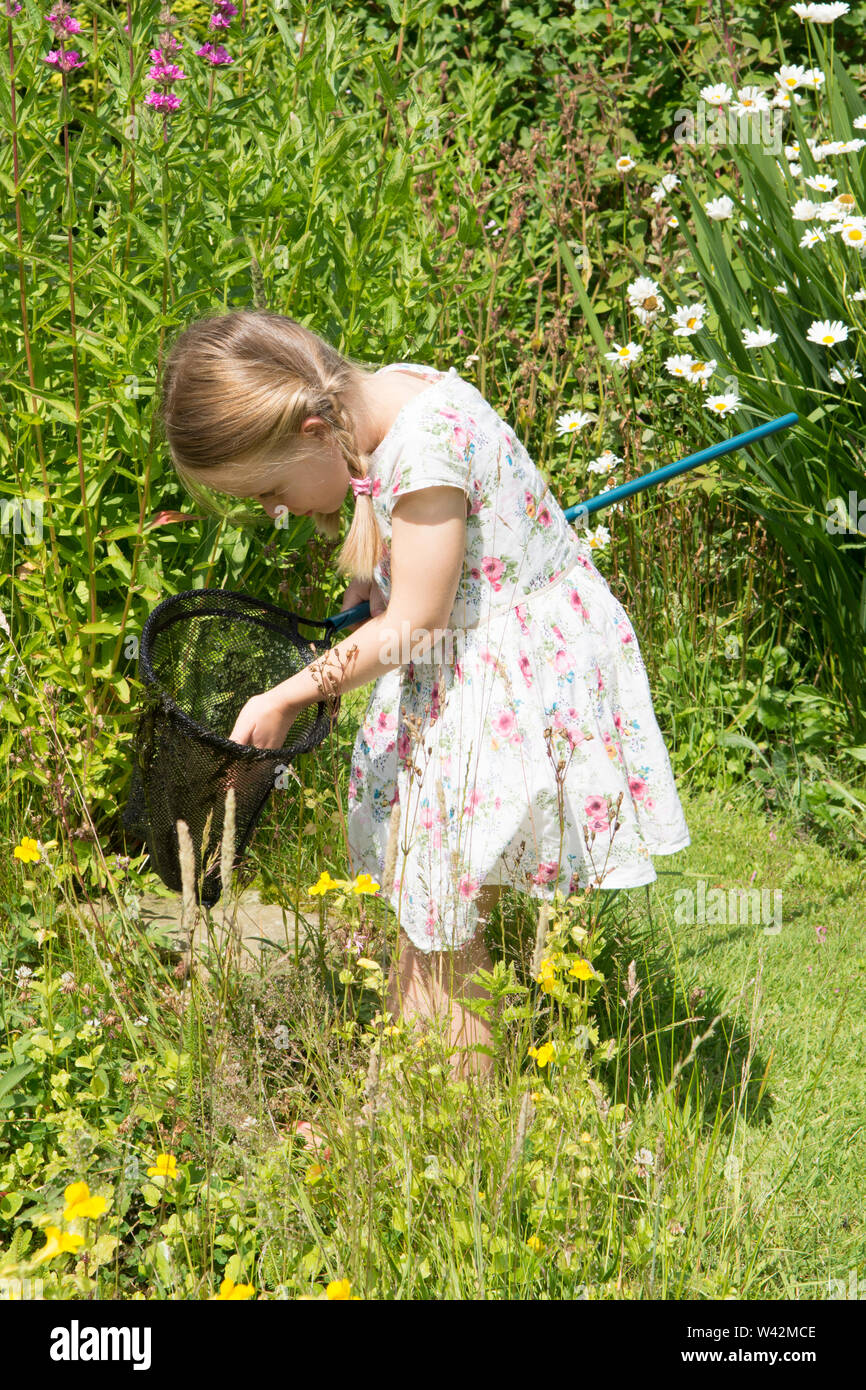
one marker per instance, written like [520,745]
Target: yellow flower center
[827,338]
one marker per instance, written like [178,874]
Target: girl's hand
[364,591]
[264,721]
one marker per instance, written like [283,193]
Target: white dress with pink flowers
[524,750]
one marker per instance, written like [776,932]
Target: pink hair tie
[361,487]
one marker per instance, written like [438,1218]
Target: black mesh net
[203,654]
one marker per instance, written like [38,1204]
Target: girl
[511,723]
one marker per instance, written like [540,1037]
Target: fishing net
[203,654]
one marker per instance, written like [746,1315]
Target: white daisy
[625,355]
[820,14]
[822,182]
[604,463]
[804,210]
[641,290]
[846,201]
[853,233]
[722,405]
[719,208]
[792,151]
[598,538]
[850,146]
[860,123]
[750,99]
[814,77]
[829,212]
[790,77]
[701,371]
[573,421]
[859,294]
[667,183]
[826,333]
[781,289]
[672,222]
[719,95]
[689,319]
[786,99]
[624,163]
[846,371]
[812,238]
[758,337]
[679,364]
[796,169]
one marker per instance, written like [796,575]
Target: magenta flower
[163,101]
[638,788]
[493,570]
[223,14]
[64,59]
[62,22]
[12,8]
[547,872]
[166,72]
[215,55]
[468,887]
[505,725]
[526,669]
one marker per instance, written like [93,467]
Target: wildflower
[604,463]
[573,421]
[534,1244]
[679,364]
[58,1242]
[719,95]
[313,1174]
[547,975]
[689,319]
[814,78]
[67,982]
[846,371]
[790,77]
[860,123]
[624,163]
[673,222]
[625,355]
[64,59]
[701,371]
[215,54]
[758,337]
[804,210]
[750,99]
[543,1055]
[142,1021]
[365,883]
[822,183]
[325,884]
[230,1290]
[643,296]
[826,333]
[859,294]
[80,1204]
[853,232]
[582,970]
[781,289]
[598,538]
[722,405]
[165,1167]
[644,1159]
[340,1290]
[27,851]
[820,14]
[846,201]
[719,208]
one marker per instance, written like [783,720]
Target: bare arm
[428,540]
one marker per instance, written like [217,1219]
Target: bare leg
[428,985]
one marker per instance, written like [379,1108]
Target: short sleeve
[438,452]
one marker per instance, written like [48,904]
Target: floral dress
[524,749]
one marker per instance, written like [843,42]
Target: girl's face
[317,486]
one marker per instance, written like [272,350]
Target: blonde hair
[235,390]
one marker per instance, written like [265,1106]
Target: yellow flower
[57,1242]
[542,1054]
[341,1289]
[582,970]
[79,1203]
[326,884]
[535,1244]
[165,1167]
[27,851]
[547,975]
[586,1137]
[365,883]
[230,1290]
[314,1172]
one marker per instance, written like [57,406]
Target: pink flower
[475,573]
[523,663]
[458,671]
[520,615]
[163,101]
[477,501]
[547,872]
[577,603]
[62,21]
[474,799]
[493,570]
[625,632]
[12,8]
[597,812]
[403,747]
[425,817]
[386,720]
[64,59]
[505,723]
[377,487]
[638,787]
[468,887]
[216,55]
[562,662]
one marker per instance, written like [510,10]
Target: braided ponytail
[362,547]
